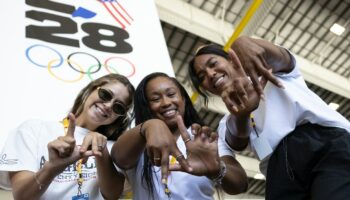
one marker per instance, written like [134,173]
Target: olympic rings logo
[92,69]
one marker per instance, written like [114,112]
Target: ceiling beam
[194,20]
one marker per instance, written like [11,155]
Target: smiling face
[214,72]
[98,111]
[165,100]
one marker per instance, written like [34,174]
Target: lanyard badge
[261,145]
[80,179]
[81,197]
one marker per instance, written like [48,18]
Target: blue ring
[44,66]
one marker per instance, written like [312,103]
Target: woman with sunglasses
[160,143]
[70,159]
[303,145]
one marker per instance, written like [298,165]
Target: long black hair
[144,113]
[207,49]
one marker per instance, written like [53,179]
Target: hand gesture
[160,144]
[239,96]
[202,151]
[63,151]
[253,58]
[96,142]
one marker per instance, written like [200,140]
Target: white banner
[51,49]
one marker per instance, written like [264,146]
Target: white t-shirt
[284,109]
[26,149]
[182,185]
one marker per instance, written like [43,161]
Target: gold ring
[179,156]
[187,140]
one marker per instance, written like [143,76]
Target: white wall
[5,195]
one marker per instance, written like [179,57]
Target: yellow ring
[49,66]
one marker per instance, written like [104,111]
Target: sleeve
[19,152]
[223,148]
[295,72]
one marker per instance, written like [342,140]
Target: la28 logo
[68,26]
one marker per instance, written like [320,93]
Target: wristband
[218,179]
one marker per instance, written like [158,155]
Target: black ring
[71,66]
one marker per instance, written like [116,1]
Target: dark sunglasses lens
[119,109]
[104,95]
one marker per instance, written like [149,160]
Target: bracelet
[217,180]
[38,182]
[141,132]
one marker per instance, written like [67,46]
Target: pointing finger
[71,126]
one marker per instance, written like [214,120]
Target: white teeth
[100,111]
[219,81]
[169,113]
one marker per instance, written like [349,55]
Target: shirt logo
[4,161]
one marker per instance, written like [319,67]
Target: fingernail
[164,181]
[262,96]
[245,97]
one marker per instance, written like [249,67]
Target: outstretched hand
[239,96]
[254,61]
[160,144]
[63,151]
[202,151]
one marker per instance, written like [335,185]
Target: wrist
[220,174]
[149,124]
[238,126]
[243,126]
[52,169]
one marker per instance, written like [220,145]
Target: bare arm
[111,182]
[130,145]
[235,180]
[237,135]
[28,185]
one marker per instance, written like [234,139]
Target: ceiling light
[259,176]
[334,106]
[337,29]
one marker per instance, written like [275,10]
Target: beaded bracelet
[218,179]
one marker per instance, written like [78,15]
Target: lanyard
[253,124]
[80,179]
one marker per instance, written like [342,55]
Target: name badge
[81,197]
[262,147]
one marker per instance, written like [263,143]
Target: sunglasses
[106,96]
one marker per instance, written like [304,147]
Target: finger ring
[100,147]
[187,140]
[156,159]
[179,156]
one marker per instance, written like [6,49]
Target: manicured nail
[280,85]
[262,96]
